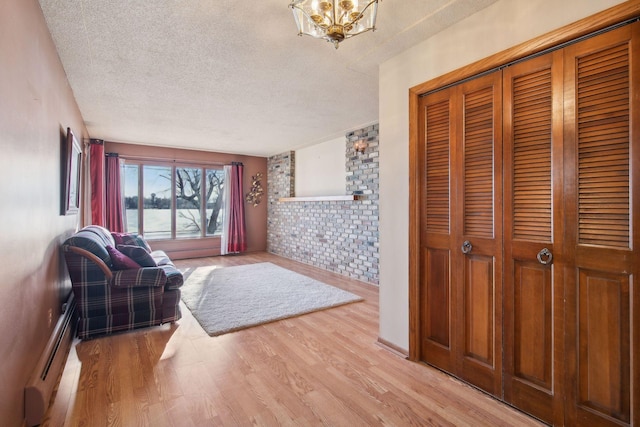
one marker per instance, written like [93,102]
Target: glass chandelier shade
[334,20]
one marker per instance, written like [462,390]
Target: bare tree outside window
[214,191]
[189,200]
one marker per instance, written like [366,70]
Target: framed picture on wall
[71,183]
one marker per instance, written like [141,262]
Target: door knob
[466,247]
[545,256]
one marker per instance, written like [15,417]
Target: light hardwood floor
[323,368]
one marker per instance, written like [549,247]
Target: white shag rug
[227,299]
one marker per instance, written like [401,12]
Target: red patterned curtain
[113,211]
[96,168]
[237,231]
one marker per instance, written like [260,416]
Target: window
[156,203]
[172,202]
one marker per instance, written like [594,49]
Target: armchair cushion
[130,239]
[138,254]
[140,241]
[120,261]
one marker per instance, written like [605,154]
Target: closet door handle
[545,256]
[466,247]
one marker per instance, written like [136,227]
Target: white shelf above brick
[321,198]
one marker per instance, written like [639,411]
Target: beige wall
[255,217]
[500,26]
[321,170]
[36,106]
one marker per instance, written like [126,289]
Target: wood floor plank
[323,368]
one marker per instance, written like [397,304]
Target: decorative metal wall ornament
[334,20]
[254,196]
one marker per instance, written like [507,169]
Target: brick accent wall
[281,177]
[339,236]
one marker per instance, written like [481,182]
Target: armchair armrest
[142,277]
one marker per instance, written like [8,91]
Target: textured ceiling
[228,75]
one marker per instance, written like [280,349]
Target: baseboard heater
[37,393]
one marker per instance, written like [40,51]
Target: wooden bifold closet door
[462,231]
[533,232]
[602,235]
[529,239]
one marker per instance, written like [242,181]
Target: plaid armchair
[112,300]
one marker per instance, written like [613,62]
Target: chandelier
[334,20]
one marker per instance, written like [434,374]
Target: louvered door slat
[437,151]
[610,135]
[602,105]
[532,156]
[478,163]
[533,118]
[605,60]
[604,143]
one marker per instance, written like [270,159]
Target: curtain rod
[171,161]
